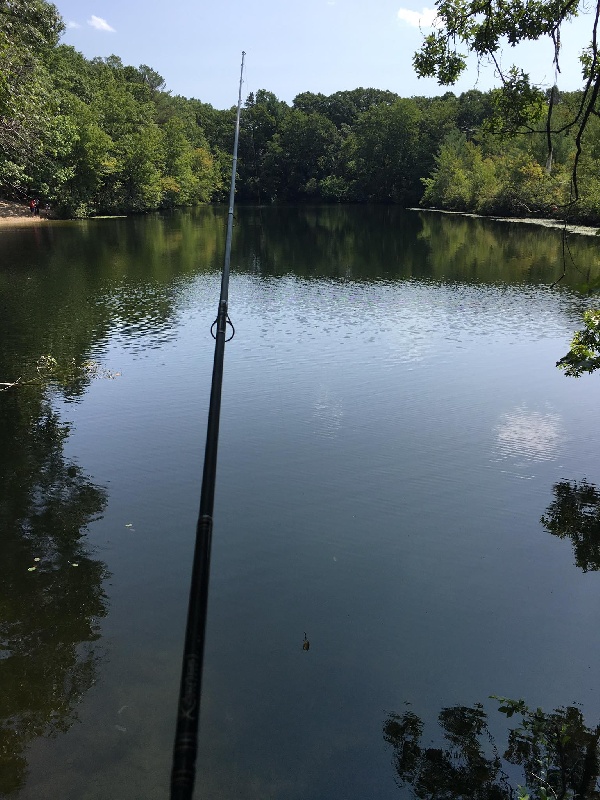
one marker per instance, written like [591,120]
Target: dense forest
[99,137]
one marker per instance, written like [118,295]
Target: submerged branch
[4,385]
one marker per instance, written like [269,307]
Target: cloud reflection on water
[524,436]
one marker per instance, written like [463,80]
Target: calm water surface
[393,430]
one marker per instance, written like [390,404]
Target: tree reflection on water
[575,514]
[461,768]
[557,752]
[51,596]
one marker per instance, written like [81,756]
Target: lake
[405,481]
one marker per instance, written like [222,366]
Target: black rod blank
[188,713]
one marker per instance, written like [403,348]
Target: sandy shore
[12,214]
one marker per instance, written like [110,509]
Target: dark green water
[393,430]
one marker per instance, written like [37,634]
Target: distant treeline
[96,136]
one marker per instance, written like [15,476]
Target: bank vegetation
[96,136]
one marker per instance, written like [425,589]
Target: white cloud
[100,24]
[72,24]
[419,19]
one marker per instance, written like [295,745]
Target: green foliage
[92,136]
[343,108]
[29,29]
[437,59]
[97,136]
[261,120]
[462,179]
[384,150]
[301,155]
[473,109]
[584,354]
[489,175]
[483,30]
[517,104]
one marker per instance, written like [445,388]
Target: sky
[291,47]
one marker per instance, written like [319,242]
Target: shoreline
[14,214]
[23,222]
[581,230]
[18,214]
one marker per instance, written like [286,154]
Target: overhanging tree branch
[482,27]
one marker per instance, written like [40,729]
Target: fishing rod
[188,712]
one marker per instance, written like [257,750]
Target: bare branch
[5,386]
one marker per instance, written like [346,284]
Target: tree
[483,29]
[384,151]
[474,108]
[29,29]
[188,171]
[584,355]
[301,156]
[262,118]
[343,108]
[149,77]
[486,176]
[461,177]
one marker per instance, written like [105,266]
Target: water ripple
[524,437]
